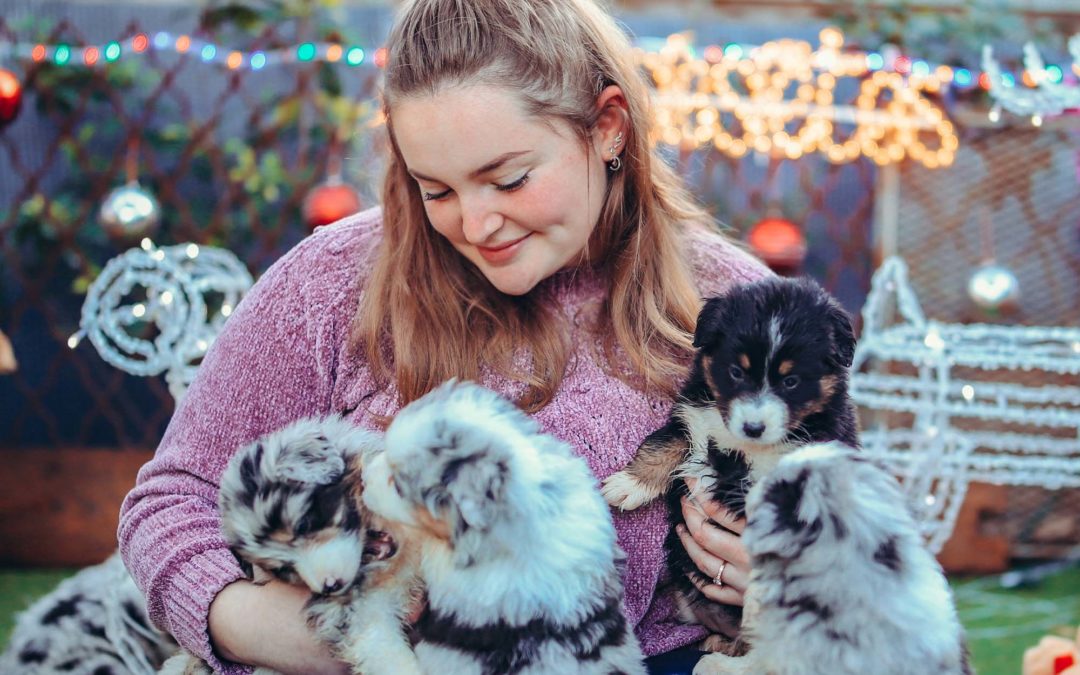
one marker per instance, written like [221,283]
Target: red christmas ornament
[778,242]
[10,97]
[329,202]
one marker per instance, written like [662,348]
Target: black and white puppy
[518,547]
[291,508]
[841,582]
[770,374]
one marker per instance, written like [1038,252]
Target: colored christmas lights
[62,54]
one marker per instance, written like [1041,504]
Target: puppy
[841,582]
[518,548]
[290,508]
[770,374]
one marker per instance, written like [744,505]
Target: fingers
[731,593]
[715,510]
[717,541]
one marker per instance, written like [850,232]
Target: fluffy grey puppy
[842,583]
[290,508]
[92,623]
[518,547]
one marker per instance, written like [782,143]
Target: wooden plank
[60,507]
[978,544]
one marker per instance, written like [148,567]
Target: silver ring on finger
[718,579]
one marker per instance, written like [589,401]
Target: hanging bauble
[994,287]
[130,212]
[779,242]
[329,202]
[10,97]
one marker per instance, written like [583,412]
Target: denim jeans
[676,662]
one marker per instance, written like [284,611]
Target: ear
[309,452]
[475,485]
[709,322]
[613,119]
[779,520]
[843,334]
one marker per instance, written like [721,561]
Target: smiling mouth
[502,252]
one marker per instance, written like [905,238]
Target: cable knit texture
[283,356]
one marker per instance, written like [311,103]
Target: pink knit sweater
[283,355]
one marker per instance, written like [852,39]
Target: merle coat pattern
[519,557]
[842,582]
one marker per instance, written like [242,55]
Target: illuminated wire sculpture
[947,405]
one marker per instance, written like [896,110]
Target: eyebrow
[487,168]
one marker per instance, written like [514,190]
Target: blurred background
[156,156]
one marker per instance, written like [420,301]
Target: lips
[502,252]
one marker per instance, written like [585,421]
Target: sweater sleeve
[271,364]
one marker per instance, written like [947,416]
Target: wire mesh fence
[231,155]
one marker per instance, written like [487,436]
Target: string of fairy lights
[63,54]
[777,98]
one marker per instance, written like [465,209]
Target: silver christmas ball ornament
[994,287]
[130,212]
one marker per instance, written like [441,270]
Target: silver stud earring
[615,164]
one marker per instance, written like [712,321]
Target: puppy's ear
[313,461]
[475,485]
[843,334]
[780,523]
[709,322]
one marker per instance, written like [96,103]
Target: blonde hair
[557,55]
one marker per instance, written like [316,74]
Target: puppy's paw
[722,664]
[724,645]
[184,663]
[625,492]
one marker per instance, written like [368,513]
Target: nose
[333,585]
[478,220]
[753,429]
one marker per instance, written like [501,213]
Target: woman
[528,239]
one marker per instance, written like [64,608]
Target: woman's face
[516,196]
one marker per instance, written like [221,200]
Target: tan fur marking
[706,367]
[785,367]
[430,524]
[744,361]
[828,388]
[654,463]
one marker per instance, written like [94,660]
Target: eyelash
[509,187]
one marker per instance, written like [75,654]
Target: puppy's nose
[333,585]
[753,429]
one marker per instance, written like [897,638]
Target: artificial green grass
[1000,623]
[19,588]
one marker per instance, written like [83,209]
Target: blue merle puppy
[93,623]
[518,547]
[841,582]
[770,374]
[291,508]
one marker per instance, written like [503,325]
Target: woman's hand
[263,625]
[711,537]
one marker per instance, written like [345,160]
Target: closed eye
[436,196]
[516,185]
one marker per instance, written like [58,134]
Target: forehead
[457,129]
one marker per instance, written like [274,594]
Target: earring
[615,164]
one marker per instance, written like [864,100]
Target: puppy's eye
[791,381]
[286,573]
[736,373]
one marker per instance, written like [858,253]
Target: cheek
[444,220]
